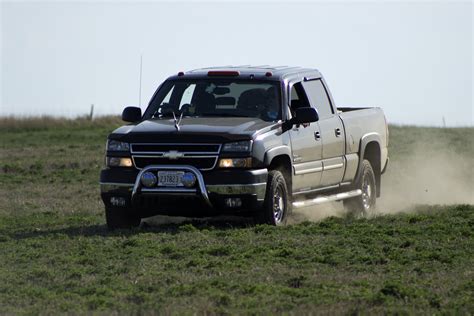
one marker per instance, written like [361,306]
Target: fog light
[148,179]
[117,201]
[188,179]
[233,202]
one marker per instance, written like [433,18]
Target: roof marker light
[223,73]
[268,74]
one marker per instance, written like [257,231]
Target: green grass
[405,139]
[56,255]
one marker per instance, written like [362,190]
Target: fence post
[91,113]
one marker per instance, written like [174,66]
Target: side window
[318,97]
[298,97]
[294,94]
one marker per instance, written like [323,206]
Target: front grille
[203,163]
[183,148]
[199,155]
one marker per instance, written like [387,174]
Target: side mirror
[305,115]
[132,114]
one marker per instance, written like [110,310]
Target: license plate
[170,178]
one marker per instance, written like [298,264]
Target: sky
[413,59]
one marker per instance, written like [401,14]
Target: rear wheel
[277,203]
[363,204]
[116,217]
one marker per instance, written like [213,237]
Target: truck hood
[194,129]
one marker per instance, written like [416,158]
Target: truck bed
[358,121]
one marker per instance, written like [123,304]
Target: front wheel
[363,204]
[116,217]
[277,203]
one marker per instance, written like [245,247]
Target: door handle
[317,135]
[338,132]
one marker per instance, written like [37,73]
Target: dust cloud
[427,174]
[427,177]
[317,213]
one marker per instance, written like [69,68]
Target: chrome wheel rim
[367,194]
[278,205]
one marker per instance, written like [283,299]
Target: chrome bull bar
[201,187]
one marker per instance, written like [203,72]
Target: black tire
[363,204]
[117,217]
[277,204]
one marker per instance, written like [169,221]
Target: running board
[325,199]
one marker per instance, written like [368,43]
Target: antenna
[140,88]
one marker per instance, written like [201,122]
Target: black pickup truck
[249,141]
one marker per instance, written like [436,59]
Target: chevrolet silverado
[251,141]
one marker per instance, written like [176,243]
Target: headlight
[119,162]
[114,145]
[242,146]
[235,162]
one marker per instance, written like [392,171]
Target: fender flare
[367,138]
[277,151]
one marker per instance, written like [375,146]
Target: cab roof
[247,71]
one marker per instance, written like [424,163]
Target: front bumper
[206,198]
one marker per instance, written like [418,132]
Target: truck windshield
[217,98]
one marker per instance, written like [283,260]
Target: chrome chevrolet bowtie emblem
[173,154]
[176,121]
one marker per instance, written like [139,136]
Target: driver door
[306,146]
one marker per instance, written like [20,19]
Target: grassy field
[56,255]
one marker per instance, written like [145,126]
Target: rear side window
[318,97]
